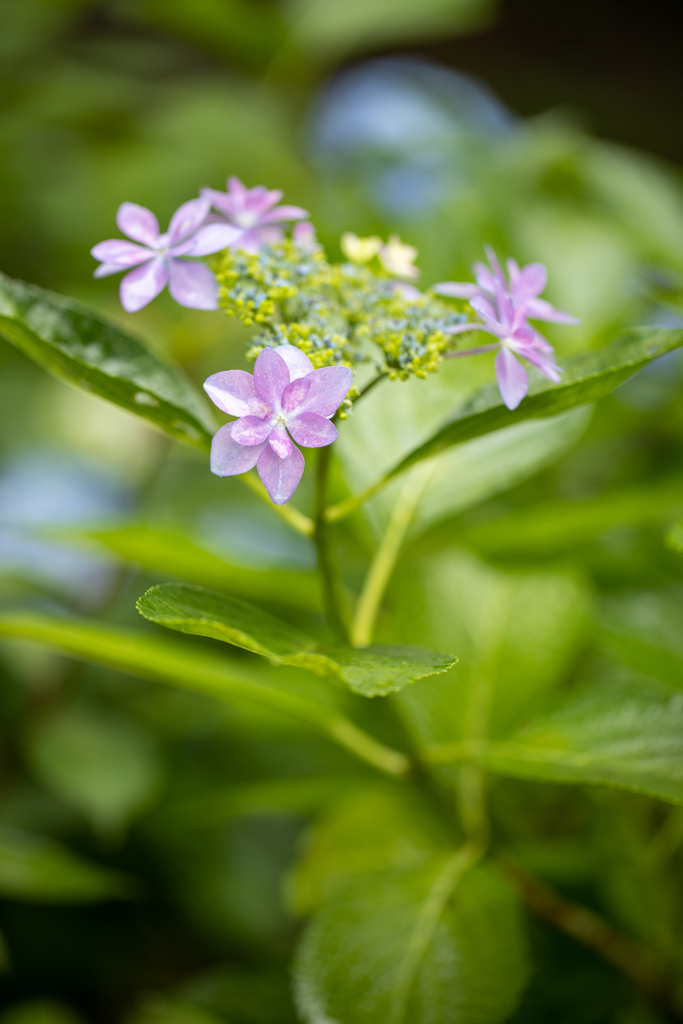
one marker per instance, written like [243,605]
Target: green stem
[367,748]
[297,520]
[336,512]
[334,601]
[383,563]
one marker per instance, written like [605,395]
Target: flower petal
[539,309]
[329,387]
[193,285]
[251,430]
[120,253]
[188,218]
[280,441]
[143,284]
[138,223]
[456,290]
[280,476]
[254,239]
[485,281]
[530,282]
[512,378]
[228,458]
[271,377]
[107,269]
[311,430]
[297,361]
[233,391]
[284,213]
[488,314]
[212,238]
[294,394]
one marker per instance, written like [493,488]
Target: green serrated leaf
[76,345]
[203,612]
[173,553]
[623,734]
[40,870]
[443,942]
[372,671]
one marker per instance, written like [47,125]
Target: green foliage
[76,345]
[300,696]
[160,1010]
[372,672]
[516,634]
[643,631]
[39,870]
[384,427]
[175,554]
[376,828]
[98,762]
[440,942]
[628,735]
[586,378]
[40,1011]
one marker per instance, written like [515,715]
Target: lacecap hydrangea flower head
[314,321]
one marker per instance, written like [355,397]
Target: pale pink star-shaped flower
[504,309]
[158,260]
[284,396]
[254,211]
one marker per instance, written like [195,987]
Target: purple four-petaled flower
[285,396]
[159,258]
[504,310]
[253,211]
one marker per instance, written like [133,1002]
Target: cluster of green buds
[361,310]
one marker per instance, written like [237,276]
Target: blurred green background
[550,131]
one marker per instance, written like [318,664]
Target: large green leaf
[387,425]
[98,761]
[444,942]
[515,634]
[587,378]
[644,630]
[296,694]
[75,344]
[40,870]
[374,828]
[371,671]
[173,553]
[545,528]
[624,734]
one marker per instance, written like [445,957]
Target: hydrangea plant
[416,905]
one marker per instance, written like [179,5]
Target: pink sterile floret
[503,309]
[160,259]
[253,211]
[285,396]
